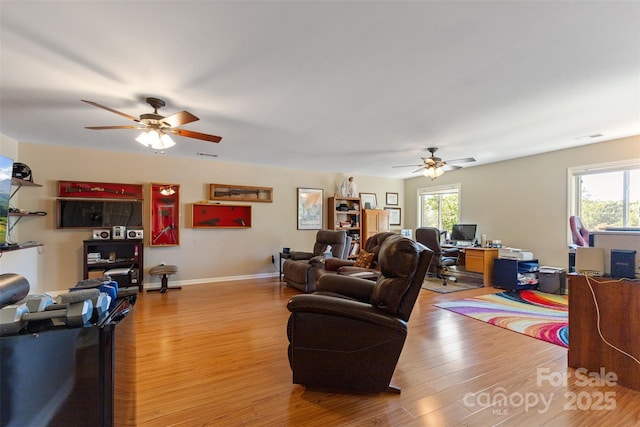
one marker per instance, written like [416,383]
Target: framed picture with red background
[165,215]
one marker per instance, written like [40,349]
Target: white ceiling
[347,86]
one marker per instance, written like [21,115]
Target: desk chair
[442,259]
[578,231]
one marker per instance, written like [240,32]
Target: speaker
[119,231]
[134,234]
[101,234]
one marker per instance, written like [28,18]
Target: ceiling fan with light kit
[434,167]
[156,128]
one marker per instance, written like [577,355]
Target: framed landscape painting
[310,208]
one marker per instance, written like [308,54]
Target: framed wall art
[392,199]
[99,190]
[204,215]
[369,200]
[165,215]
[242,193]
[394,215]
[310,208]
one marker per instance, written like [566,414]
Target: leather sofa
[300,271]
[346,266]
[349,334]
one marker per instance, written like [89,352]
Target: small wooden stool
[164,271]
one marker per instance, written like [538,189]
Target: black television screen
[463,232]
[6,172]
[99,213]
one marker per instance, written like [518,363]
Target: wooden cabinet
[480,260]
[344,214]
[615,314]
[374,221]
[100,256]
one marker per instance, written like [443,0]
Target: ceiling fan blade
[196,135]
[451,167]
[135,119]
[465,160]
[179,119]
[419,169]
[113,127]
[406,166]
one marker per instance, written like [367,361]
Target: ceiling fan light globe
[143,139]
[165,142]
[438,171]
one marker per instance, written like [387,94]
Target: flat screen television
[6,172]
[463,232]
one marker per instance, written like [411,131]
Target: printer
[514,253]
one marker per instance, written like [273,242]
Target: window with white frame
[606,195]
[439,206]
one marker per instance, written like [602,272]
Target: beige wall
[204,255]
[523,202]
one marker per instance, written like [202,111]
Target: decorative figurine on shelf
[352,191]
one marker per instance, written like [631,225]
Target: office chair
[578,231]
[442,259]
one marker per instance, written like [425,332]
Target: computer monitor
[463,232]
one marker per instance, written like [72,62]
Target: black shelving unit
[116,253]
[505,273]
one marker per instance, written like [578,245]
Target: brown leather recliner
[349,334]
[300,271]
[346,266]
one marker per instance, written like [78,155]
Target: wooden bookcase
[348,220]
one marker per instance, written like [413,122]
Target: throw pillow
[364,260]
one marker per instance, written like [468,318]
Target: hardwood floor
[216,355]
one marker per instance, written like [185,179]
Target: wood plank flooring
[216,355]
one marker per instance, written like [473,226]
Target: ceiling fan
[433,166]
[157,128]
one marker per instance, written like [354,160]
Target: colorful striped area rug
[533,313]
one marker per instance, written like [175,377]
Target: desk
[619,304]
[478,260]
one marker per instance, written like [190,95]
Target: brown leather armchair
[346,266]
[300,271]
[349,334]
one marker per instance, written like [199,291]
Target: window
[606,195]
[439,206]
